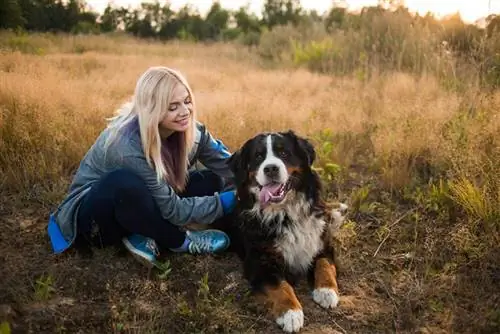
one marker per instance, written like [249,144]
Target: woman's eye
[172,107]
[187,101]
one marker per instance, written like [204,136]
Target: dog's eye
[283,154]
[259,156]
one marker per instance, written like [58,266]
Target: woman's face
[178,116]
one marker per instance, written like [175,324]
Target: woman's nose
[184,109]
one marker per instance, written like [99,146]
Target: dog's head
[269,166]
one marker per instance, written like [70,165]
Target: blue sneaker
[207,241]
[144,249]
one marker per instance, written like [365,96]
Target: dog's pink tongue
[266,191]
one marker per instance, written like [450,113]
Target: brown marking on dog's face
[325,275]
[281,298]
[293,169]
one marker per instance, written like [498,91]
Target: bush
[22,42]
[85,27]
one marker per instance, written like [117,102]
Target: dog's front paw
[291,320]
[326,297]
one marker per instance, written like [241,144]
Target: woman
[134,186]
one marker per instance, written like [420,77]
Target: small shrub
[23,43]
[475,200]
[317,56]
[44,288]
[86,28]
[231,34]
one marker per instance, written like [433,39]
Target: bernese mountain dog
[281,228]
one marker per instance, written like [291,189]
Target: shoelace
[151,244]
[200,243]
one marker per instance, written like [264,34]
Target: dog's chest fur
[301,241]
[298,234]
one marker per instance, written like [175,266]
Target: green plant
[473,199]
[22,42]
[434,197]
[164,268]
[203,287]
[5,328]
[359,200]
[44,288]
[184,309]
[316,55]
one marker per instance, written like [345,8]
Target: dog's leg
[284,306]
[324,273]
[326,292]
[263,268]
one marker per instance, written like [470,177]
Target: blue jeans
[120,204]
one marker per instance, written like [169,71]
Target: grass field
[417,162]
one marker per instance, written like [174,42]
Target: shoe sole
[138,255]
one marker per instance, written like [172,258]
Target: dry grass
[401,143]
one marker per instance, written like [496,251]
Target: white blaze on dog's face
[272,173]
[272,169]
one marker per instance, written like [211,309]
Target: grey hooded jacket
[128,153]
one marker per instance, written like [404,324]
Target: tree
[247,22]
[217,19]
[11,14]
[46,15]
[110,19]
[281,12]
[335,18]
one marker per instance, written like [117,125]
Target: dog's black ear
[234,161]
[304,146]
[238,165]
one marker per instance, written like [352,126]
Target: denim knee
[124,181]
[202,183]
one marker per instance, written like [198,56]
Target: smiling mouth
[273,193]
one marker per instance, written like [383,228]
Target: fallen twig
[336,324]
[390,229]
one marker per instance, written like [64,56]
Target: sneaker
[207,241]
[144,249]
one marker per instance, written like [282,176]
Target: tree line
[386,36]
[152,20]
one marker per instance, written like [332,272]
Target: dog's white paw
[326,297]
[291,320]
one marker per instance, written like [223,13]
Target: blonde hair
[149,105]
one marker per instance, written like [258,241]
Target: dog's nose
[271,170]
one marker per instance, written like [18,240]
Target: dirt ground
[112,293]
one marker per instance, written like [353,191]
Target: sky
[470,10]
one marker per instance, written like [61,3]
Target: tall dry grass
[405,129]
[418,160]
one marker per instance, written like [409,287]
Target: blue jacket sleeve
[213,154]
